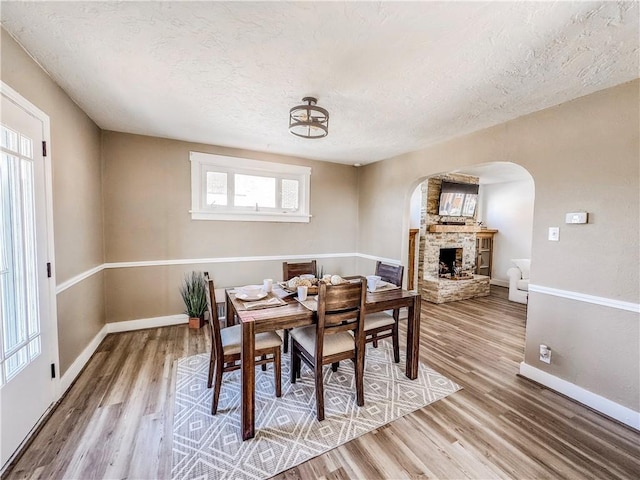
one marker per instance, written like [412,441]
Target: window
[228,188]
[19,314]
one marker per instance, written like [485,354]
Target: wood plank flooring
[115,421]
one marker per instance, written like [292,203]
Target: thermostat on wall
[577,217]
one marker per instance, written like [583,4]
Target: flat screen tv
[458,199]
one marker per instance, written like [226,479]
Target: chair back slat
[340,308]
[390,273]
[290,270]
[214,322]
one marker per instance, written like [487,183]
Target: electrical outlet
[545,354]
[554,234]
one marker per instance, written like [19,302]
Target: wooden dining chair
[379,325]
[340,312]
[226,347]
[290,270]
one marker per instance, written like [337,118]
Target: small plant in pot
[195,298]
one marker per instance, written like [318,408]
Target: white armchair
[519,280]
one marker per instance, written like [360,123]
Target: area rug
[287,431]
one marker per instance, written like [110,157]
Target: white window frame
[201,163]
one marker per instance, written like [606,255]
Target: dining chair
[340,312]
[290,270]
[379,325]
[226,347]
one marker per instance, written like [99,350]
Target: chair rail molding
[61,287]
[194,261]
[583,297]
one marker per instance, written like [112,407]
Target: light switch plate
[554,234]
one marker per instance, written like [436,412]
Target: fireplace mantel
[458,229]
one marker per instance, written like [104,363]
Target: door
[28,343]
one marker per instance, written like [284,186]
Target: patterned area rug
[287,432]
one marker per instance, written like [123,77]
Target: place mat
[311,303]
[383,287]
[269,302]
[281,292]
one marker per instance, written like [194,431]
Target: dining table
[293,314]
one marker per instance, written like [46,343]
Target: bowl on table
[250,292]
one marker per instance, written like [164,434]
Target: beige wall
[147,194]
[77,198]
[583,156]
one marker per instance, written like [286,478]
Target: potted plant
[194,297]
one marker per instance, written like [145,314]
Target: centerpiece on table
[311,282]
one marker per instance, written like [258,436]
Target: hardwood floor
[115,421]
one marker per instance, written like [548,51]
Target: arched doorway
[505,205]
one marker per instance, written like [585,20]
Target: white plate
[250,298]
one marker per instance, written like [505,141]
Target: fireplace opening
[450,262]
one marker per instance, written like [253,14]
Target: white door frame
[14,96]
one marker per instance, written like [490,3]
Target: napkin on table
[270,302]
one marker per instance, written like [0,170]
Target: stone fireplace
[448,252]
[463,243]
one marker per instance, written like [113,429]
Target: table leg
[247,359]
[230,314]
[413,338]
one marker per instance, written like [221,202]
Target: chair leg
[285,335]
[396,343]
[292,366]
[298,364]
[375,340]
[216,388]
[277,369]
[359,371]
[334,366]
[211,367]
[264,365]
[319,392]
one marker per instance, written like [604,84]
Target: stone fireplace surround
[434,236]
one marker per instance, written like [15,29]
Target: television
[458,199]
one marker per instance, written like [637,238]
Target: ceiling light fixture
[309,121]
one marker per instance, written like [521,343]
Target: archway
[505,204]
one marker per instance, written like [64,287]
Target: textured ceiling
[395,77]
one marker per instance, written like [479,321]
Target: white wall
[508,208]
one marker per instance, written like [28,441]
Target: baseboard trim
[583,297]
[499,283]
[115,327]
[78,364]
[141,324]
[592,400]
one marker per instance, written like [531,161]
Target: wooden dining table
[294,314]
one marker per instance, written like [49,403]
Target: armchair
[519,280]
